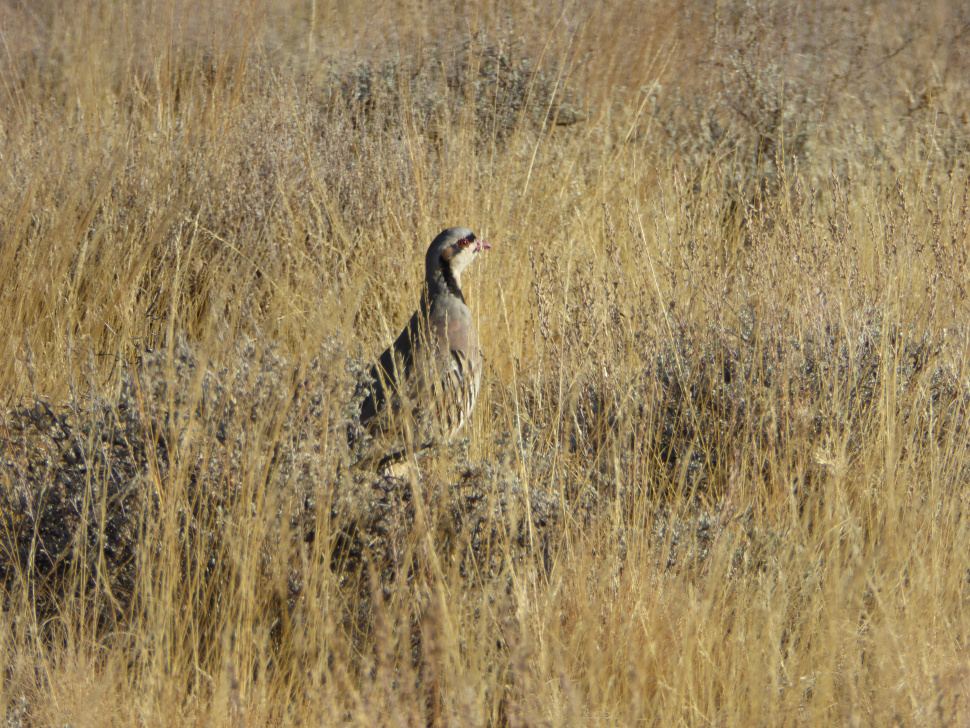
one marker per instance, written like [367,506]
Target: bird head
[451,252]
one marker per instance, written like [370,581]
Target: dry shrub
[718,470]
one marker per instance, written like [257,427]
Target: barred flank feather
[455,397]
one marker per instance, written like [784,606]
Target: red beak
[481,245]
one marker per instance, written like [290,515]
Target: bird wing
[390,375]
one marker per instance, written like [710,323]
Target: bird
[424,386]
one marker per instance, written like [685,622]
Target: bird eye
[465,242]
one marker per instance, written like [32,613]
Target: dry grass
[725,321]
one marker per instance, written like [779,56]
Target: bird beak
[481,245]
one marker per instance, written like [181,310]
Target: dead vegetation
[719,468]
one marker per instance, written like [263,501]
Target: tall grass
[718,471]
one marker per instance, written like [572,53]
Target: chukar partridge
[426,383]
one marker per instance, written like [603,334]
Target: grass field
[719,471]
